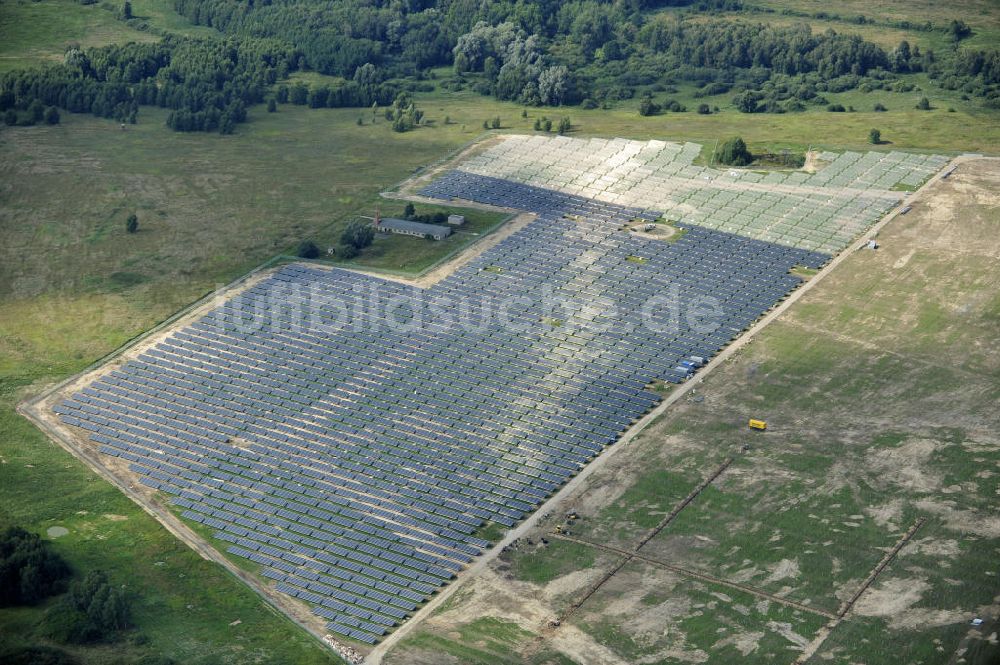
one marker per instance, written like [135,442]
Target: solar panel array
[819,211]
[351,434]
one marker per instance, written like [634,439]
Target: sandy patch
[56,532]
[886,515]
[965,521]
[785,630]
[932,547]
[903,260]
[745,643]
[578,579]
[115,518]
[891,597]
[903,465]
[782,570]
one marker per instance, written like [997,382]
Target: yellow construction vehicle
[758,424]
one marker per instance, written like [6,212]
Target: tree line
[207,84]
[534,52]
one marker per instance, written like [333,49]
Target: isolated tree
[367,76]
[132,223]
[874,137]
[298,94]
[409,212]
[495,124]
[648,107]
[879,108]
[746,102]
[307,249]
[95,607]
[272,105]
[36,110]
[565,125]
[538,123]
[704,109]
[958,30]
[553,85]
[358,235]
[547,124]
[924,104]
[734,152]
[127,10]
[226,124]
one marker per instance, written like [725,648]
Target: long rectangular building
[418,229]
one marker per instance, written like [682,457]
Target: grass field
[982,15]
[878,388]
[406,254]
[74,286]
[34,32]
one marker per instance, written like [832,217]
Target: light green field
[969,129]
[159,17]
[37,32]
[983,16]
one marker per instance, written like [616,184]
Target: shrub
[307,250]
[924,104]
[648,107]
[879,108]
[38,655]
[734,152]
[874,137]
[836,108]
[347,251]
[704,109]
[91,611]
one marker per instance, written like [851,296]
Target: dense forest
[534,52]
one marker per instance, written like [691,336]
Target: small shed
[456,220]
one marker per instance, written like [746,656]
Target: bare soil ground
[879,387]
